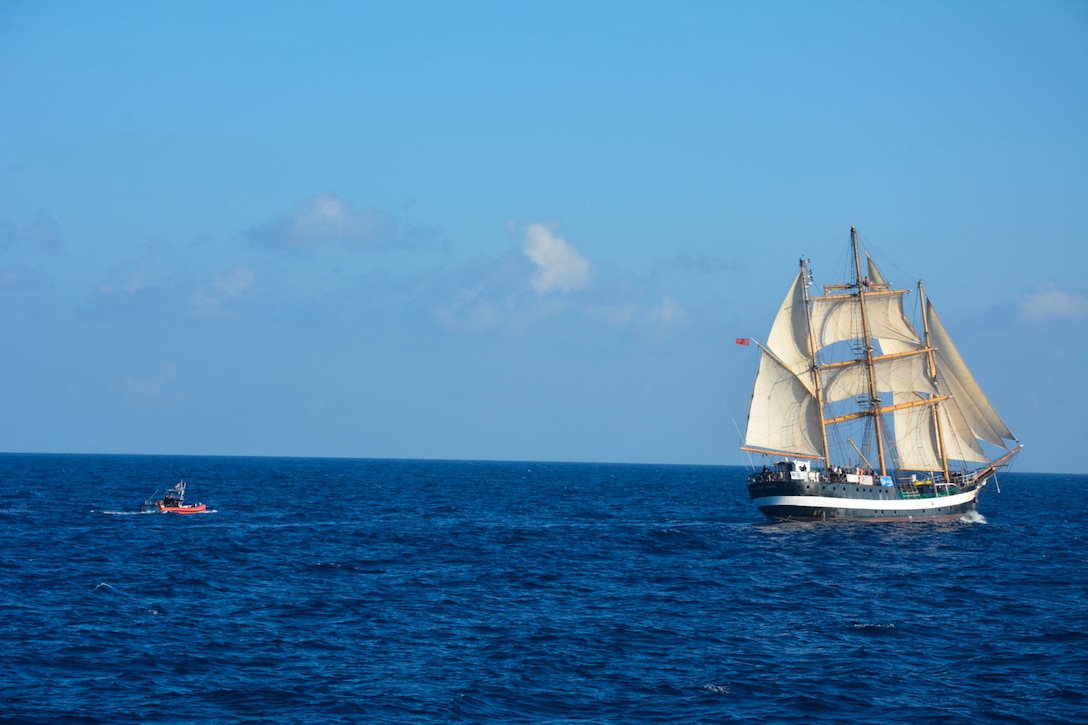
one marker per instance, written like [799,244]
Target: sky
[518,231]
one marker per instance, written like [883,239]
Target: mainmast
[933,375]
[874,401]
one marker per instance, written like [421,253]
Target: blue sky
[523,231]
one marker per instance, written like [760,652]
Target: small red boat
[172,502]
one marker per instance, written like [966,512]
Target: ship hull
[798,501]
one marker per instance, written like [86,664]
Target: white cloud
[127,277]
[235,282]
[654,321]
[483,310]
[1051,303]
[559,266]
[660,320]
[207,301]
[516,293]
[328,219]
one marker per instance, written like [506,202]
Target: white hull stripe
[907,504]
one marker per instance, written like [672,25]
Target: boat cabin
[796,471]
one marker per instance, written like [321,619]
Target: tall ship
[861,416]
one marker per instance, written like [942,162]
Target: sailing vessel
[863,418]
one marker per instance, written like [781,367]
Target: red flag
[743,341]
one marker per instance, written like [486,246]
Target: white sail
[980,413]
[837,318]
[892,374]
[916,438]
[783,415]
[899,342]
[875,277]
[788,339]
[960,442]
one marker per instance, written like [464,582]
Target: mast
[874,402]
[933,374]
[817,387]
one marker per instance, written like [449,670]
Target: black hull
[811,501]
[823,513]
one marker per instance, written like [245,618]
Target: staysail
[985,422]
[784,415]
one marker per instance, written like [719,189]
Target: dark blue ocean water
[373,591]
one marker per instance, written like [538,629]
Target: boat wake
[107,512]
[973,517]
[874,628]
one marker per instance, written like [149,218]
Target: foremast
[806,277]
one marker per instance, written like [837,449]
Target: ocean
[403,591]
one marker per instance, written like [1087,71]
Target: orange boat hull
[198,508]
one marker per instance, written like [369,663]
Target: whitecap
[973,517]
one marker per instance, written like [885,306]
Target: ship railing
[933,486]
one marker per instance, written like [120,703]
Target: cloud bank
[514,293]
